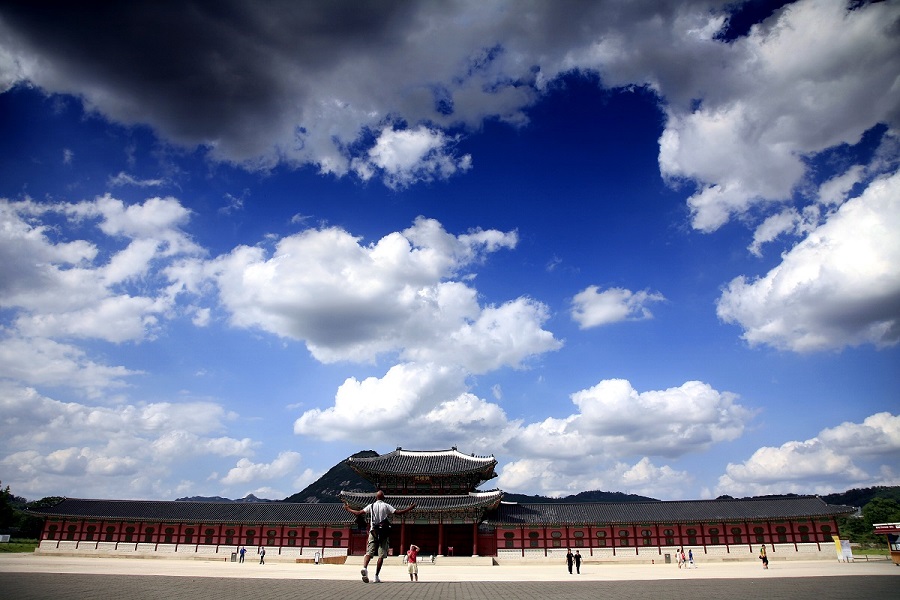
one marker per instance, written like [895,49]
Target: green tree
[881,510]
[31,526]
[855,529]
[7,514]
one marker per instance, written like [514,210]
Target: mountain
[339,478]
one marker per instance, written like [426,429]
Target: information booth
[892,531]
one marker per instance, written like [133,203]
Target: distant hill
[247,498]
[861,497]
[328,487]
[857,497]
[593,496]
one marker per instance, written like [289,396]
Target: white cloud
[525,474]
[647,479]
[376,409]
[612,419]
[171,445]
[123,178]
[247,471]
[44,362]
[418,405]
[878,436]
[158,219]
[783,94]
[595,447]
[838,287]
[427,406]
[585,471]
[48,447]
[504,335]
[27,252]
[348,301]
[467,420]
[836,190]
[303,480]
[774,225]
[407,156]
[791,221]
[849,455]
[201,317]
[63,289]
[592,308]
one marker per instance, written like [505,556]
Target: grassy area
[19,545]
[870,551]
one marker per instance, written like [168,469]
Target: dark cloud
[210,72]
[256,79]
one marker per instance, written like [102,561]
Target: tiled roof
[687,511]
[430,462]
[429,503]
[199,512]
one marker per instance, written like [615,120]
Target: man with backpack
[379,531]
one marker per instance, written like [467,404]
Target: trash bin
[234,557]
[668,559]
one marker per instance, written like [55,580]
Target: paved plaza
[27,577]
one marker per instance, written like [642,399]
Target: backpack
[381,529]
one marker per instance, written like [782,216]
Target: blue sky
[647,247]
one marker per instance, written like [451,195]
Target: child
[412,562]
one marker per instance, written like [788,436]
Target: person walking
[242,553]
[578,562]
[763,557]
[379,529]
[691,557]
[570,558]
[412,562]
[262,556]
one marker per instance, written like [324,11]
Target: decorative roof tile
[425,462]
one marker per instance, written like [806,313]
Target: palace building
[453,517]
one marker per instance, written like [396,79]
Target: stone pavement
[27,577]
